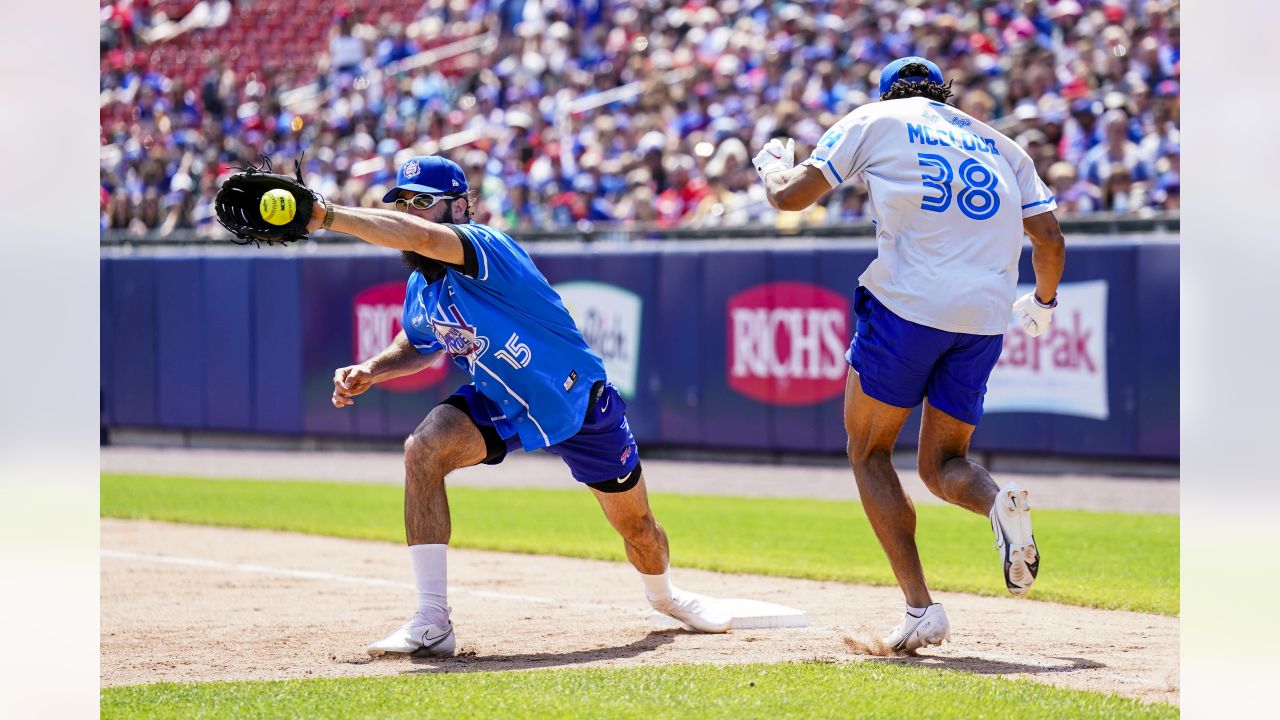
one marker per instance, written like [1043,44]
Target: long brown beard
[432,270]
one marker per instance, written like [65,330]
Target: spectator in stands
[1075,196]
[1088,83]
[1117,150]
[1120,194]
[346,51]
[395,46]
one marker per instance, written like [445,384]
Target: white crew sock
[657,588]
[430,578]
[916,612]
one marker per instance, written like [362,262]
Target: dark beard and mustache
[432,270]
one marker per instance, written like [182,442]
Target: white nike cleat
[697,612]
[1011,522]
[419,639]
[913,633]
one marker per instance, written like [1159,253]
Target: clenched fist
[349,382]
[775,156]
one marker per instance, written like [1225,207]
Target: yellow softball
[277,206]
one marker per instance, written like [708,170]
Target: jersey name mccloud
[925,135]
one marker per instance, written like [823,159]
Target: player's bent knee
[422,449]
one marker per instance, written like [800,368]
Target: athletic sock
[916,612]
[657,588]
[430,579]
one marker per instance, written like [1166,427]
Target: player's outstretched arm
[1048,253]
[396,360]
[787,186]
[391,229]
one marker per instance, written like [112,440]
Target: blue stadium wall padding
[130,386]
[181,357]
[228,335]
[678,348]
[250,343]
[1158,311]
[277,344]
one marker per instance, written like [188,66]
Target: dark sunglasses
[422,201]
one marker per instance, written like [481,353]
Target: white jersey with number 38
[947,196]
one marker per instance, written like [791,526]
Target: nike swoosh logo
[777,155]
[428,645]
[605,406]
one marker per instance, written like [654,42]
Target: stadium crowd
[1089,87]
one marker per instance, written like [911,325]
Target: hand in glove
[775,156]
[1034,315]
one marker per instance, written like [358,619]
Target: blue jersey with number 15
[501,321]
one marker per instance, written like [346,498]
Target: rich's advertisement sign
[376,315]
[609,318]
[1064,371]
[786,343]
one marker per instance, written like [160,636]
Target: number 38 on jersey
[978,199]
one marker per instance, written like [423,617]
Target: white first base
[747,615]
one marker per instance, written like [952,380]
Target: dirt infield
[186,604]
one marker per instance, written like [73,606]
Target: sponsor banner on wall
[1064,371]
[376,314]
[609,318]
[787,342]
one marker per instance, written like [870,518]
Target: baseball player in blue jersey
[950,199]
[475,295]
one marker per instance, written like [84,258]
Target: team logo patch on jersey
[625,454]
[457,336]
[831,137]
[411,170]
[961,122]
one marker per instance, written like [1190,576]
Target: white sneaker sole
[1011,523]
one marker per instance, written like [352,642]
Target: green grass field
[1106,560]
[871,689]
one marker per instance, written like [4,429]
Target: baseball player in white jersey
[950,199]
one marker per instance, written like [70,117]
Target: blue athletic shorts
[900,362]
[603,450]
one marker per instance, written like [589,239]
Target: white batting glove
[775,156]
[1034,315]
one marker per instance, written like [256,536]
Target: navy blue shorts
[603,450]
[900,362]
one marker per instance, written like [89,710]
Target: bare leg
[945,467]
[445,441]
[873,429]
[628,512]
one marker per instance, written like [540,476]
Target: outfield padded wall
[249,342]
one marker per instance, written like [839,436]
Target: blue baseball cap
[428,174]
[893,72]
